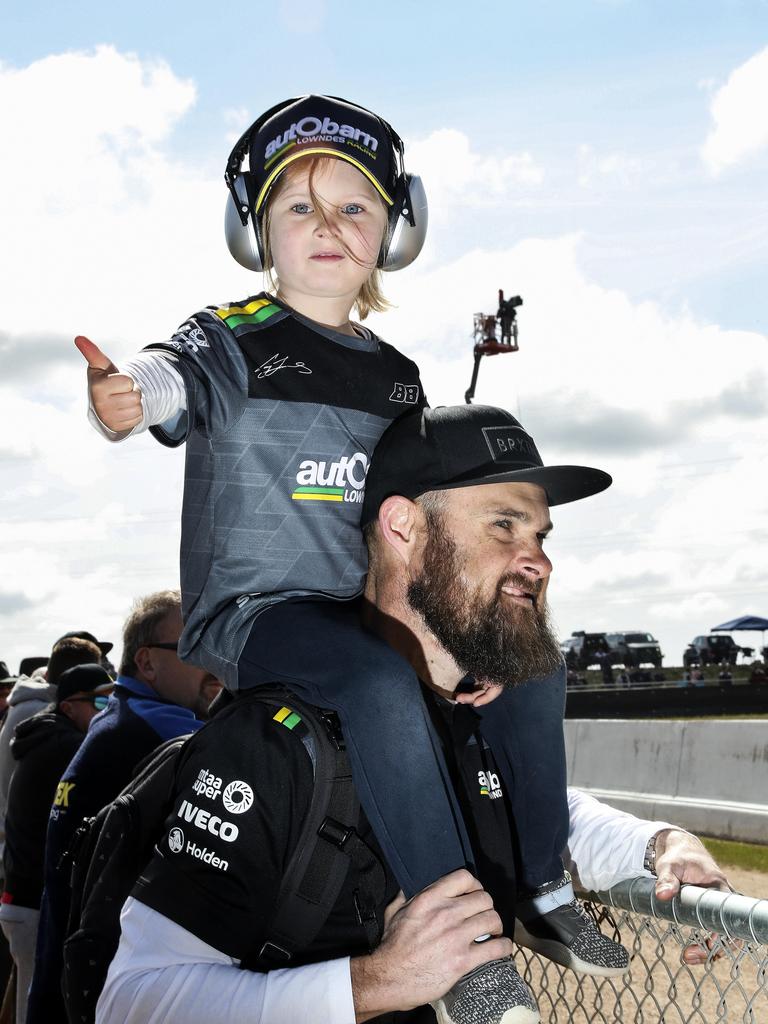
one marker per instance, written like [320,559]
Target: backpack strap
[326,848]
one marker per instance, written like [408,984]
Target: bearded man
[457,510]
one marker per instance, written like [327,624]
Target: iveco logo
[208,822]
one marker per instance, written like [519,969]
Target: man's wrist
[372,994]
[649,858]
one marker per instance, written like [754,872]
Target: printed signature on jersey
[277,362]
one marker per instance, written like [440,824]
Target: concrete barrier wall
[709,777]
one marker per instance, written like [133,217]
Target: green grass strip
[749,856]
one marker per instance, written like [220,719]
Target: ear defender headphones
[325,126]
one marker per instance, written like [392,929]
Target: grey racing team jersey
[282,419]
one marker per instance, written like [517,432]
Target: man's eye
[301,208]
[504,524]
[351,209]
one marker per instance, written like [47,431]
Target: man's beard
[495,640]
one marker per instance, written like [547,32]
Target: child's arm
[150,390]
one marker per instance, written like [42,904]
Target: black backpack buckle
[334,832]
[333,728]
[272,953]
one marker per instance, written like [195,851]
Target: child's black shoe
[552,922]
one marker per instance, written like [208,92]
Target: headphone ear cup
[405,239]
[243,240]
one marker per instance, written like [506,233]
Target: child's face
[319,259]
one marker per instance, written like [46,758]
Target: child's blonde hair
[370,298]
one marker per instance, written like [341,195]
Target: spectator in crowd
[155,698]
[623,679]
[105,646]
[43,747]
[758,675]
[725,677]
[30,695]
[6,685]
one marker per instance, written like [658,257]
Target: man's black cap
[322,126]
[82,634]
[463,445]
[83,679]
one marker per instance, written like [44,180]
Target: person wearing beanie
[43,746]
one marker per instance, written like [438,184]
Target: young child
[281,400]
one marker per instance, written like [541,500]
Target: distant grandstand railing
[730,988]
[664,700]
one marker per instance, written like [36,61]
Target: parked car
[715,649]
[582,650]
[635,649]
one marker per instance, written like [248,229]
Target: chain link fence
[730,988]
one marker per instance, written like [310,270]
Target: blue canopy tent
[750,623]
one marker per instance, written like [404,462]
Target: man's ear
[398,522]
[145,663]
[65,708]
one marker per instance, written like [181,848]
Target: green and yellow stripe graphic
[253,313]
[484,791]
[287,718]
[318,494]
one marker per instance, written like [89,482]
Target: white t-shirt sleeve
[605,845]
[163,974]
[163,394]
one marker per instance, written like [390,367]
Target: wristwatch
[649,860]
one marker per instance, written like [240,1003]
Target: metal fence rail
[731,988]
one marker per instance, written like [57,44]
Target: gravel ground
[659,988]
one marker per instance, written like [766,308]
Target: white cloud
[110,229]
[706,604]
[740,115]
[603,168]
[454,173]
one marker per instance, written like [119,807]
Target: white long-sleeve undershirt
[163,394]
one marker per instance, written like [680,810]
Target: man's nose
[533,561]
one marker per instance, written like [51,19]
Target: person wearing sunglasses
[43,746]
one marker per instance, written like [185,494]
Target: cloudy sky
[605,159]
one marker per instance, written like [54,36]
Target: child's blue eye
[301,208]
[352,208]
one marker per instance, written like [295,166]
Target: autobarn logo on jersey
[342,480]
[489,785]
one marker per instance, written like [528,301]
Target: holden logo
[237,797]
[176,840]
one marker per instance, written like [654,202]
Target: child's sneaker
[493,993]
[551,921]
